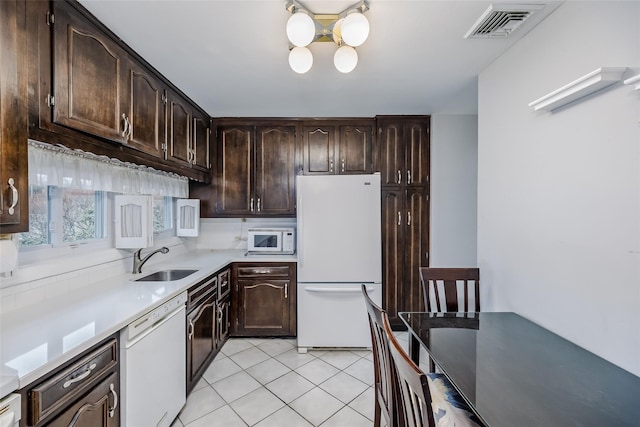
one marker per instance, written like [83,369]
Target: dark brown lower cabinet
[82,393]
[405,248]
[223,321]
[264,299]
[207,323]
[202,314]
[95,409]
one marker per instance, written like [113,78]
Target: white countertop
[39,338]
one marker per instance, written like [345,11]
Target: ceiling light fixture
[348,29]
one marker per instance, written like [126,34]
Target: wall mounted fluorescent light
[585,85]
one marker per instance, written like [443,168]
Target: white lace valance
[62,167]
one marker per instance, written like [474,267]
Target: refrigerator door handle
[300,232]
[334,290]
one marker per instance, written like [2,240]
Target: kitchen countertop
[37,339]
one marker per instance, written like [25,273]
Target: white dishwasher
[153,366]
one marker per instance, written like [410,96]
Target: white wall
[559,193]
[454,179]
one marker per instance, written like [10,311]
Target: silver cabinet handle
[342,165]
[408,218]
[130,133]
[80,377]
[258,204]
[399,177]
[286,290]
[112,410]
[191,329]
[331,165]
[251,205]
[14,196]
[399,218]
[125,125]
[408,177]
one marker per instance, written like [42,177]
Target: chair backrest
[450,289]
[384,377]
[414,397]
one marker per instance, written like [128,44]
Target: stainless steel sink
[166,276]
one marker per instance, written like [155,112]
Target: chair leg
[376,414]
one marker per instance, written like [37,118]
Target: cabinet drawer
[264,271]
[57,391]
[201,291]
[224,283]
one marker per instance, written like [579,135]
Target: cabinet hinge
[50,18]
[163,147]
[51,100]
[164,99]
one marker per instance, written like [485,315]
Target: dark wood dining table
[515,373]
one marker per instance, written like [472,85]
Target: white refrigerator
[339,249]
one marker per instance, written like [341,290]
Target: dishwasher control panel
[151,318]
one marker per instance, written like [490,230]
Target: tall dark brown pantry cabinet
[403,162]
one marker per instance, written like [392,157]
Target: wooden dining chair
[460,286]
[425,400]
[384,380]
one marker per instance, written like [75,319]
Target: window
[163,214]
[64,217]
[59,217]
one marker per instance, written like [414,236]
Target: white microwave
[273,240]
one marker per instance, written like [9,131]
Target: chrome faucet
[139,262]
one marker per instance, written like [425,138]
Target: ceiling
[231,56]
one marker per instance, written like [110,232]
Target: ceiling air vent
[499,20]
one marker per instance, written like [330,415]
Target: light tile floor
[267,383]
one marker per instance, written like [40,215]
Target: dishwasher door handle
[155,326]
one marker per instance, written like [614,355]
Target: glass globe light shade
[345,59]
[355,29]
[300,59]
[336,31]
[301,29]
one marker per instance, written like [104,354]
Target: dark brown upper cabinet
[14,198]
[145,126]
[334,147]
[89,75]
[87,89]
[256,170]
[403,157]
[188,134]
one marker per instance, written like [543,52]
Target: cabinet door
[417,152]
[416,248]
[200,143]
[355,149]
[14,198]
[87,77]
[146,112]
[275,170]
[393,230]
[318,146]
[179,130]
[201,339]
[222,322]
[98,408]
[391,153]
[234,170]
[264,307]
